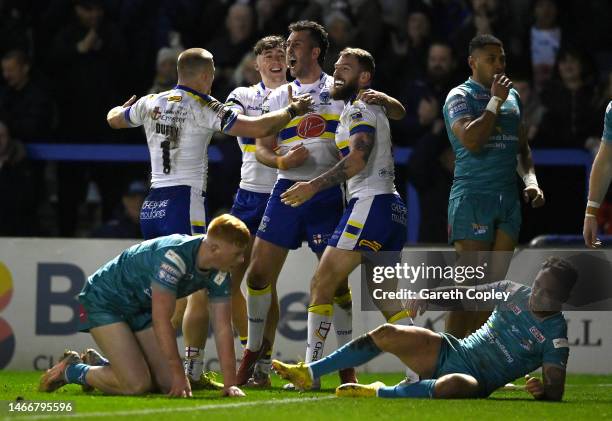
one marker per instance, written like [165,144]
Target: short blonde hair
[230,229]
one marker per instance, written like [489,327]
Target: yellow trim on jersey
[325,135]
[327,117]
[198,99]
[342,144]
[355,223]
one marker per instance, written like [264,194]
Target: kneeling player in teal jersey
[526,331]
[127,307]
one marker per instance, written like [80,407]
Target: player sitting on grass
[523,333]
[128,303]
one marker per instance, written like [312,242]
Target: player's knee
[456,386]
[257,277]
[138,385]
[384,336]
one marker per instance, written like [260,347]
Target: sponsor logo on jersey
[374,245]
[177,260]
[515,309]
[220,278]
[560,343]
[357,116]
[156,113]
[526,344]
[170,269]
[537,334]
[317,239]
[457,106]
[312,125]
[479,229]
[264,223]
[175,98]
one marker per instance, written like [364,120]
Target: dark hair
[318,36]
[364,58]
[268,43]
[481,41]
[442,43]
[564,271]
[19,55]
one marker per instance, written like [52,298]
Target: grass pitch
[586,397]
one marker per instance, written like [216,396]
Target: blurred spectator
[340,32]
[127,225]
[246,73]
[272,17]
[423,98]
[18,213]
[407,53]
[13,28]
[24,105]
[532,107]
[544,41]
[166,76]
[570,102]
[230,46]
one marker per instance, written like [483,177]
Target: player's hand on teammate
[535,195]
[534,386]
[370,96]
[416,307]
[180,385]
[296,156]
[298,194]
[589,232]
[300,104]
[232,392]
[501,86]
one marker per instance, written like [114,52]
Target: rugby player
[179,125]
[526,332]
[375,218]
[127,307]
[599,181]
[483,122]
[282,227]
[256,183]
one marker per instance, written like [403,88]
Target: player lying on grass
[128,303]
[523,333]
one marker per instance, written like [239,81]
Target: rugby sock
[264,364]
[258,304]
[402,318]
[243,341]
[343,318]
[75,373]
[353,354]
[194,362]
[319,324]
[422,389]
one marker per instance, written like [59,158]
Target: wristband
[493,104]
[530,180]
[280,163]
[593,204]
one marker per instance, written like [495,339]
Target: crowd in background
[65,63]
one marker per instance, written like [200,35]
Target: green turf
[586,397]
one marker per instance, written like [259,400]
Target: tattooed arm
[361,145]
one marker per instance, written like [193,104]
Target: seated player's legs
[156,360]
[195,333]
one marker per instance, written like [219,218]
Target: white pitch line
[163,410]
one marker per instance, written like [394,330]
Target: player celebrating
[257,181]
[523,333]
[128,304]
[179,125]
[483,122]
[601,174]
[283,227]
[375,218]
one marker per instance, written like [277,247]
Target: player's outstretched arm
[474,133]
[224,338]
[553,386]
[395,109]
[116,116]
[360,144]
[601,174]
[271,123]
[163,303]
[525,168]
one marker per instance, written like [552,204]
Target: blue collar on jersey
[262,85]
[193,91]
[297,82]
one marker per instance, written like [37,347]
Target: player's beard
[346,91]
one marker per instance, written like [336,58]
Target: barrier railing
[140,153]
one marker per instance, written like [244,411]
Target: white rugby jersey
[316,130]
[252,101]
[379,174]
[179,124]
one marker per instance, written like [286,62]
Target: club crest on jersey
[324,97]
[537,334]
[156,113]
[312,125]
